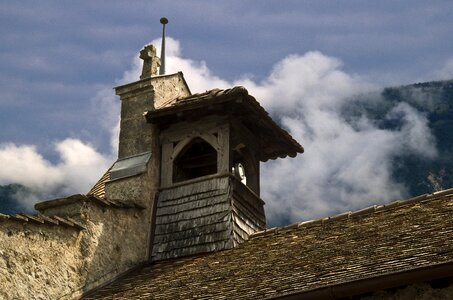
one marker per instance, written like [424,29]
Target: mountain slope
[8,203]
[435,101]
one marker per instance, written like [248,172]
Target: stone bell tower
[192,161]
[211,145]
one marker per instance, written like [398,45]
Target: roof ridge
[215,92]
[101,201]
[361,212]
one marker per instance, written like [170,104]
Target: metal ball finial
[163,20]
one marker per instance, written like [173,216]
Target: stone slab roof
[86,198]
[43,220]
[339,256]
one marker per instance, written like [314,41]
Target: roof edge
[358,213]
[151,78]
[60,202]
[40,219]
[384,281]
[131,270]
[115,203]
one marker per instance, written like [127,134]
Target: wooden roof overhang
[273,140]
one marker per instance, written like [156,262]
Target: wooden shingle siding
[247,212]
[193,218]
[213,214]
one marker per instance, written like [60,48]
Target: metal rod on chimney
[163,21]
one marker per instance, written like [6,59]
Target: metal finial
[163,21]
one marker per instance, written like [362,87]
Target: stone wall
[44,261]
[39,261]
[135,134]
[137,98]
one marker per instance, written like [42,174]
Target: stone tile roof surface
[43,220]
[370,243]
[87,198]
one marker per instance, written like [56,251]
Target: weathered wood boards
[209,215]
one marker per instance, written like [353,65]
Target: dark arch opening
[197,159]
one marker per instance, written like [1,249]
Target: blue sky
[58,59]
[54,55]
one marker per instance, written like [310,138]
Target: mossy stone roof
[376,247]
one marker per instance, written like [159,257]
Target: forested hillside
[435,101]
[8,193]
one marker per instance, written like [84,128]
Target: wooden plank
[192,232]
[196,197]
[254,223]
[191,205]
[166,167]
[194,188]
[186,224]
[181,130]
[240,234]
[220,245]
[184,246]
[191,214]
[248,213]
[245,225]
[223,155]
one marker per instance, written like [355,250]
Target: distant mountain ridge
[435,101]
[420,176]
[8,202]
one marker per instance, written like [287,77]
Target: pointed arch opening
[198,158]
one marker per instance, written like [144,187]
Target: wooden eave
[236,102]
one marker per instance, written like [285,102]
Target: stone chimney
[135,175]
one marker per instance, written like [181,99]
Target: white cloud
[197,74]
[24,165]
[79,167]
[345,166]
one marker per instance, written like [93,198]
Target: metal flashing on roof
[130,166]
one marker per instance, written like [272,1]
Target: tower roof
[236,102]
